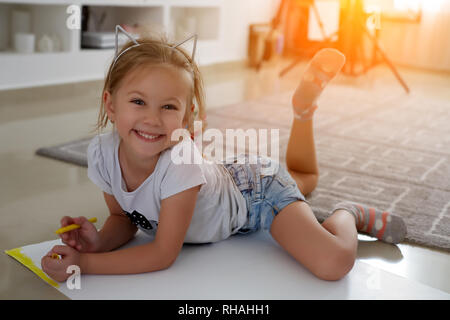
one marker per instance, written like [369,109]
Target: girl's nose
[152,117]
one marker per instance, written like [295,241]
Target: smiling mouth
[148,136]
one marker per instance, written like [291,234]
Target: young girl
[150,91]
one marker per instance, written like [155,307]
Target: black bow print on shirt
[139,220]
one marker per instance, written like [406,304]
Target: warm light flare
[407,5]
[416,5]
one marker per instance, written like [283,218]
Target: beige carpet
[390,151]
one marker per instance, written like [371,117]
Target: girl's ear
[185,122]
[109,108]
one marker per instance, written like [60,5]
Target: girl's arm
[174,220]
[117,229]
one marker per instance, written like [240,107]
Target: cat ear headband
[136,44]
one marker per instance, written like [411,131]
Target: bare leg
[301,154]
[327,250]
[301,159]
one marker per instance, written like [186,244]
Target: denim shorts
[267,188]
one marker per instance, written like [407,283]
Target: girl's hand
[84,239]
[57,268]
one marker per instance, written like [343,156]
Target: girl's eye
[169,107]
[138,102]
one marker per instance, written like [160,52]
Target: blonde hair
[155,50]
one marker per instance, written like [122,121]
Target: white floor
[242,267]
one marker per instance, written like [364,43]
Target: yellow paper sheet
[27,262]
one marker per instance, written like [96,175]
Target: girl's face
[148,106]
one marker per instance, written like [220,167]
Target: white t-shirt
[220,210]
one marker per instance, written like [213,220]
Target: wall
[238,15]
[27,70]
[423,45]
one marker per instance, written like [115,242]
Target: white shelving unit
[74,63]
